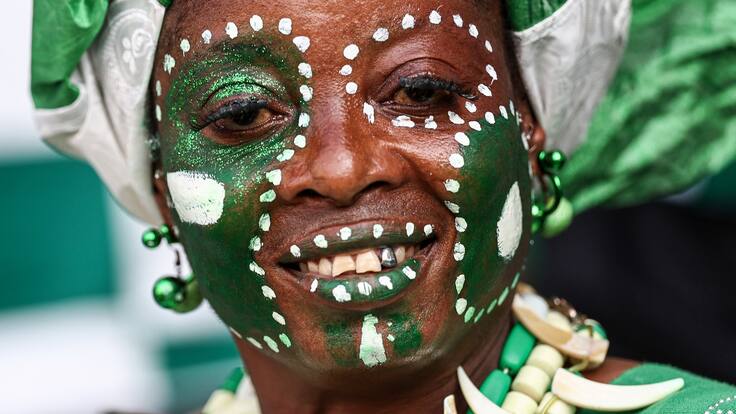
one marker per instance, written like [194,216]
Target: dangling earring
[551,212]
[172,292]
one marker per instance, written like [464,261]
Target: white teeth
[400,254]
[312,266]
[367,262]
[409,252]
[340,264]
[325,266]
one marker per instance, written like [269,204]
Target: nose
[341,161]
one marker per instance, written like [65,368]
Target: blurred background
[80,333]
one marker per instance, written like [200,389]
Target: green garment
[669,118]
[698,396]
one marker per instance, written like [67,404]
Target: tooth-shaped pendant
[475,399]
[325,266]
[312,266]
[596,396]
[367,261]
[448,405]
[400,254]
[342,263]
[388,258]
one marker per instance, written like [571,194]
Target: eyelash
[234,108]
[427,82]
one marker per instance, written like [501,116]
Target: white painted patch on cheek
[341,294]
[369,112]
[345,233]
[455,118]
[346,70]
[184,46]
[295,251]
[509,226]
[351,88]
[300,141]
[407,22]
[351,51]
[320,241]
[381,34]
[386,281]
[462,139]
[206,37]
[409,228]
[256,22]
[268,293]
[377,230]
[434,17]
[198,198]
[231,30]
[305,69]
[285,26]
[371,350]
[302,43]
[452,186]
[457,160]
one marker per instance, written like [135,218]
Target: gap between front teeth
[364,261]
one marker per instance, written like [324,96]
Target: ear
[161,194]
[532,132]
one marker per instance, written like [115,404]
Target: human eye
[424,95]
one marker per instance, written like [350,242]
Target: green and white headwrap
[92,61]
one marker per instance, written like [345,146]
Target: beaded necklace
[539,370]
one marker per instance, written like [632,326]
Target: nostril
[308,193]
[376,185]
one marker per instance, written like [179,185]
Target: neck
[279,389]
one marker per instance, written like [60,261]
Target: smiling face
[350,182]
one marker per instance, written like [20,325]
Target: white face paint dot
[255,245]
[409,272]
[409,228]
[206,37]
[473,30]
[460,224]
[340,293]
[285,26]
[285,155]
[377,230]
[300,141]
[169,63]
[346,70]
[306,92]
[369,112]
[295,251]
[458,252]
[268,196]
[305,69]
[313,287]
[459,283]
[470,107]
[302,43]
[197,197]
[455,118]
[488,45]
[351,51]
[158,113]
[381,34]
[274,177]
[351,88]
[485,90]
[231,30]
[271,343]
[303,120]
[430,123]
[460,305]
[474,125]
[345,233]
[428,229]
[402,121]
[452,186]
[454,208]
[434,17]
[184,46]
[490,118]
[268,293]
[364,288]
[256,22]
[492,72]
[386,281]
[509,226]
[504,114]
[158,88]
[278,318]
[462,139]
[457,20]
[320,241]
[264,223]
[407,22]
[254,342]
[253,266]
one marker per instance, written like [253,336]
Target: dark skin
[351,173]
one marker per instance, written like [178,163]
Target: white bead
[559,320]
[537,303]
[557,407]
[531,381]
[518,403]
[546,358]
[219,400]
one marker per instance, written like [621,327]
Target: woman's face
[348,179]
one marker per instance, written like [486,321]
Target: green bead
[552,161]
[167,234]
[537,218]
[192,297]
[517,348]
[496,386]
[559,220]
[165,3]
[151,238]
[169,292]
[233,380]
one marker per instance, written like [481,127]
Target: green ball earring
[552,213]
[172,292]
